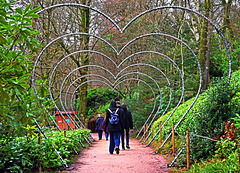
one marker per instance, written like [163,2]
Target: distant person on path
[99,126]
[106,132]
[128,123]
[118,104]
[114,122]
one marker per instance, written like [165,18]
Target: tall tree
[55,23]
[204,57]
[85,58]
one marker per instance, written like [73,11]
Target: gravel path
[137,159]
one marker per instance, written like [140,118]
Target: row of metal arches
[119,78]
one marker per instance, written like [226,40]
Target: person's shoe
[117,150]
[106,139]
[123,148]
[127,146]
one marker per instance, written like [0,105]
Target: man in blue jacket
[114,128]
[99,126]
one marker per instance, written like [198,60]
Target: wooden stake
[144,133]
[173,139]
[135,129]
[160,125]
[146,130]
[39,138]
[39,142]
[65,133]
[152,131]
[188,151]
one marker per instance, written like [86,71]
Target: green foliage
[98,99]
[230,164]
[18,102]
[237,120]
[225,148]
[25,154]
[219,63]
[217,105]
[215,109]
[140,105]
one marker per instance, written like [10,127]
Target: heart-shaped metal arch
[161,34]
[176,7]
[123,69]
[143,13]
[120,73]
[112,86]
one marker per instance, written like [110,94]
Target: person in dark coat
[118,104]
[106,132]
[99,126]
[128,123]
[114,129]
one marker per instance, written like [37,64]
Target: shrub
[23,154]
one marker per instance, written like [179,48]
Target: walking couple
[117,119]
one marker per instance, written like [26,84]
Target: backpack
[114,117]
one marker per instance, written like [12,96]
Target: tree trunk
[226,18]
[203,48]
[84,59]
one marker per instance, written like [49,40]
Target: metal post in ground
[188,151]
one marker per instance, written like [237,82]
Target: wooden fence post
[152,131]
[173,139]
[144,130]
[39,142]
[188,151]
[135,129]
[160,125]
[65,133]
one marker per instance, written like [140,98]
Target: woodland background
[23,34]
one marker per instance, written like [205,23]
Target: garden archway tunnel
[129,65]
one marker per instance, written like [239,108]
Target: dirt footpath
[137,159]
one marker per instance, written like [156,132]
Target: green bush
[217,105]
[230,164]
[25,154]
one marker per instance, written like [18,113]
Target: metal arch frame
[115,83]
[150,115]
[64,59]
[60,95]
[51,76]
[145,12]
[168,83]
[98,53]
[117,52]
[94,80]
[191,11]
[66,95]
[131,21]
[125,47]
[111,83]
[121,72]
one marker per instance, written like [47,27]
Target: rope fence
[187,138]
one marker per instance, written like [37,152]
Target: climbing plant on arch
[131,65]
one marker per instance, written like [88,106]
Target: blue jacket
[114,127]
[99,123]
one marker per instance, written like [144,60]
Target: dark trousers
[122,138]
[106,135]
[127,136]
[100,134]
[114,140]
